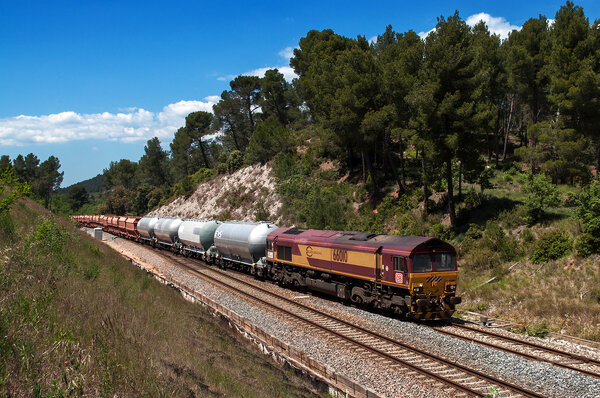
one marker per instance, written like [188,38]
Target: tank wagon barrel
[145,229]
[166,230]
[242,244]
[197,237]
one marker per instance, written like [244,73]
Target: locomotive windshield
[421,263]
[444,262]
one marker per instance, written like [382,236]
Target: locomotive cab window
[422,263]
[399,263]
[284,253]
[444,262]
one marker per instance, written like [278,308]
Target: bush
[541,194]
[537,330]
[234,161]
[551,246]
[586,244]
[588,209]
[441,232]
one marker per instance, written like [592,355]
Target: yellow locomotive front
[432,285]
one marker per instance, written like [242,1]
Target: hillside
[76,319]
[237,196]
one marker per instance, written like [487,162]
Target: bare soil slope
[232,196]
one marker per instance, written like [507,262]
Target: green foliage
[185,187]
[49,236]
[78,196]
[588,208]
[10,190]
[269,138]
[261,213]
[541,194]
[203,175]
[122,173]
[235,160]
[586,244]
[551,246]
[537,330]
[440,231]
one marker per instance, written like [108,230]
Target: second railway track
[517,346]
[456,377]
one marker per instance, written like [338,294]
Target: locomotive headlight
[451,287]
[418,289]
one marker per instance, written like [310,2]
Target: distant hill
[92,185]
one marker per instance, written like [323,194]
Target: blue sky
[92,81]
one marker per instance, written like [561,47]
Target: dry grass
[564,294]
[77,319]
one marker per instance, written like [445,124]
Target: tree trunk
[451,205]
[395,172]
[402,167]
[460,167]
[507,128]
[201,145]
[372,174]
[425,190]
[364,173]
[597,159]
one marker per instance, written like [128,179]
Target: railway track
[537,352]
[458,380]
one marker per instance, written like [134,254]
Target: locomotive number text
[340,255]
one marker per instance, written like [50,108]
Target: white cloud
[496,25]
[131,125]
[287,53]
[423,35]
[286,71]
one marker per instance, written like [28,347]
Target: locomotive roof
[361,240]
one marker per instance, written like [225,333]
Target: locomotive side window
[399,263]
[444,262]
[284,253]
[269,245]
[421,263]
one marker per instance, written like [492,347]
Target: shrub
[474,232]
[474,199]
[537,330]
[586,245]
[541,194]
[551,246]
[439,231]
[261,213]
[588,208]
[527,236]
[234,161]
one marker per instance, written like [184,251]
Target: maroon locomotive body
[411,275]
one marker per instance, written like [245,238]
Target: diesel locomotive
[412,276]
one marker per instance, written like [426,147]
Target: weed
[537,330]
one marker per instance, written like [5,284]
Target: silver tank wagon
[242,241]
[197,235]
[146,226]
[166,230]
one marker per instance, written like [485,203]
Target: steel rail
[523,343]
[471,372]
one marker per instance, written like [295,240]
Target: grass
[547,294]
[77,319]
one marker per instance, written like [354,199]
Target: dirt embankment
[236,196]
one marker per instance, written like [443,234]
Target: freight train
[412,276]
